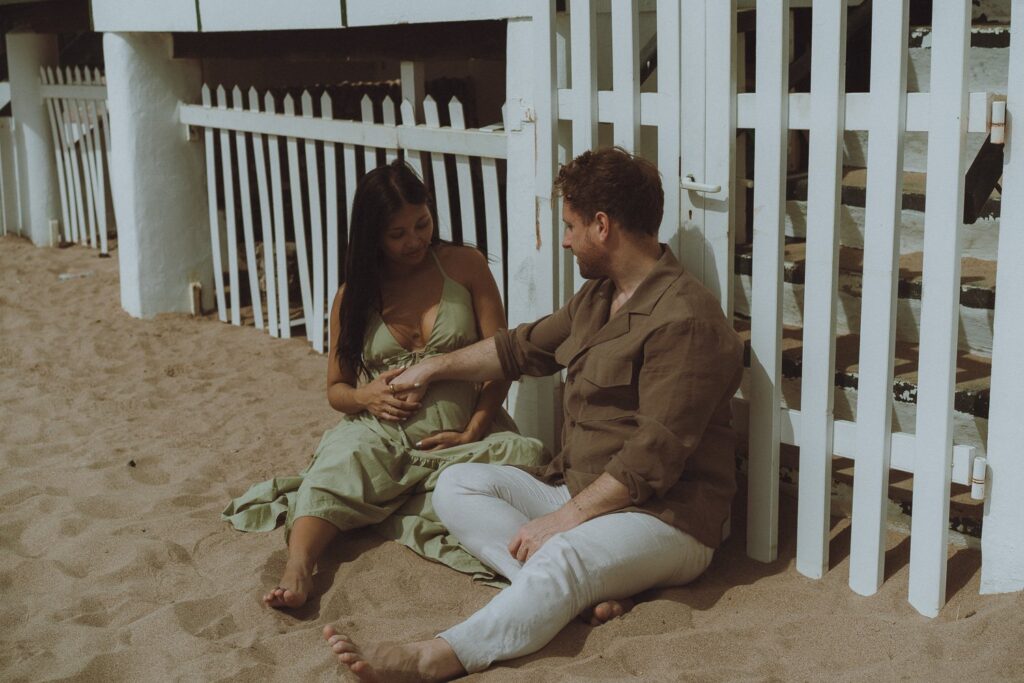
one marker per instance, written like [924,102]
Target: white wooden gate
[76,103]
[696,114]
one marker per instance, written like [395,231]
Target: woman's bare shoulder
[464,264]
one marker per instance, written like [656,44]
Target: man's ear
[604,224]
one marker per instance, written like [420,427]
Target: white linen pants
[613,556]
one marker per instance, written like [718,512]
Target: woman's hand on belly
[379,399]
[436,442]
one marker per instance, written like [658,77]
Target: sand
[122,439]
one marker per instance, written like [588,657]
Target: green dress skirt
[367,472]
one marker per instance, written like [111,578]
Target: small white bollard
[998,133]
[978,477]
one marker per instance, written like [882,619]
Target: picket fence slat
[211,196]
[72,231]
[583,33]
[889,26]
[315,315]
[369,153]
[464,175]
[437,167]
[388,118]
[298,220]
[492,213]
[277,197]
[720,150]
[669,86]
[331,206]
[940,300]
[266,221]
[626,73]
[228,184]
[828,76]
[101,181]
[414,159]
[693,64]
[247,221]
[89,160]
[766,321]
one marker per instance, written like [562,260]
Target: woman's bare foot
[426,660]
[607,610]
[293,588]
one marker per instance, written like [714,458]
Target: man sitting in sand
[638,495]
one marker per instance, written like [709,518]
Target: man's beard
[591,267]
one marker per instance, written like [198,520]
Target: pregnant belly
[446,407]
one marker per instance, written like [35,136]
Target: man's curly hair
[622,185]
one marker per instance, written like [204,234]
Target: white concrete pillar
[39,199]
[158,177]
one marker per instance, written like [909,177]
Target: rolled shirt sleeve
[529,349]
[690,367]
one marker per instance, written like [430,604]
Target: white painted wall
[158,177]
[39,200]
[144,15]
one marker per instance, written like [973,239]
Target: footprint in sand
[207,618]
[73,527]
[147,470]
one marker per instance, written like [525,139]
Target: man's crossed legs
[610,557]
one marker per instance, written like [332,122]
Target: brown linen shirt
[646,395]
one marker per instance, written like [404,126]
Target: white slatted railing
[696,114]
[76,104]
[303,190]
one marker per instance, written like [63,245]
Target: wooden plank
[669,130]
[74,91]
[315,316]
[828,77]
[67,125]
[368,134]
[266,221]
[331,207]
[1002,543]
[940,300]
[277,197]
[59,114]
[719,151]
[766,322]
[860,111]
[626,73]
[84,145]
[889,26]
[58,152]
[370,154]
[211,195]
[97,111]
[583,36]
[693,128]
[388,116]
[247,230]
[227,173]
[441,198]
[412,157]
[465,177]
[298,220]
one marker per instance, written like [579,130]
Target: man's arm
[605,494]
[477,362]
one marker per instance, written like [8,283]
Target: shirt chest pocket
[607,388]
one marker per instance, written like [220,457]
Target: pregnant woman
[407,296]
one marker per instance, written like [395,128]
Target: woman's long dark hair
[380,194]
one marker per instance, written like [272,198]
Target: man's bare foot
[293,588]
[426,660]
[606,611]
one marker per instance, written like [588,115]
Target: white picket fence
[318,160]
[696,114]
[80,128]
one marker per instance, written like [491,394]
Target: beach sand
[121,440]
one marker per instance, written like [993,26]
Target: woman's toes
[329,633]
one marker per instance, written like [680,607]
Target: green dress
[368,472]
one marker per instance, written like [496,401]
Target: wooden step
[977,295]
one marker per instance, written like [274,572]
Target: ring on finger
[391,387]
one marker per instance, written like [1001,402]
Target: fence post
[157,176]
[37,186]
